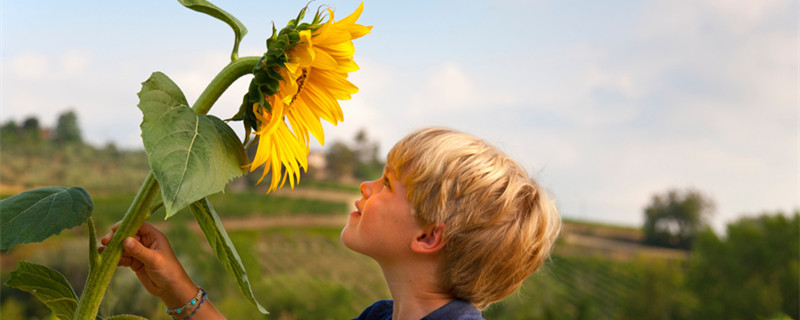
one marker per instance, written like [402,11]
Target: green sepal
[223,247]
[94,256]
[37,214]
[47,285]
[300,15]
[208,8]
[273,37]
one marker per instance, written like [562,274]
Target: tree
[358,160]
[751,274]
[67,130]
[9,133]
[365,150]
[341,161]
[368,166]
[673,219]
[31,131]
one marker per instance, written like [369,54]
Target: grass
[249,204]
[306,273]
[329,185]
[622,233]
[110,208]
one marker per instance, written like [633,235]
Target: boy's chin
[347,232]
[345,238]
[348,241]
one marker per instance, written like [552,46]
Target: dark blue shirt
[453,310]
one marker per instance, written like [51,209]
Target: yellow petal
[326,101]
[320,102]
[292,66]
[351,19]
[323,60]
[335,83]
[339,49]
[311,123]
[346,65]
[322,33]
[335,35]
[357,31]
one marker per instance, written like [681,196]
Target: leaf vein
[29,207]
[189,153]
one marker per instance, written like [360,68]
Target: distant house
[317,164]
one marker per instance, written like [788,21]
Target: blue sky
[605,102]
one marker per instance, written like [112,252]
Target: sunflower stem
[102,266]
[100,275]
[234,70]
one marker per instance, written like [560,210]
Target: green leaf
[126,317]
[37,214]
[226,253]
[47,285]
[210,9]
[191,155]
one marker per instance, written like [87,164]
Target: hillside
[289,243]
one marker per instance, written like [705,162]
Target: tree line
[750,272]
[74,162]
[30,132]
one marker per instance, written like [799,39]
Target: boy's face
[382,226]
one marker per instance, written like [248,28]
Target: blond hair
[499,224]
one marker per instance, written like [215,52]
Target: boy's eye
[386,183]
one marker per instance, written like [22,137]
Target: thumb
[138,251]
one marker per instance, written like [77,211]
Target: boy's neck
[415,289]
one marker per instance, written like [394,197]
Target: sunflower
[311,65]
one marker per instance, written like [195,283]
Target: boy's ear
[429,240]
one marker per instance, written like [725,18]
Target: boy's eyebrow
[394,173]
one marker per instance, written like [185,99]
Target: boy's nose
[368,187]
[365,192]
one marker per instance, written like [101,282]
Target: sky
[607,103]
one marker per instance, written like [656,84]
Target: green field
[300,269]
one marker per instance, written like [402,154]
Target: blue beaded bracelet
[199,304]
[197,298]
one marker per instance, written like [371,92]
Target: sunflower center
[301,80]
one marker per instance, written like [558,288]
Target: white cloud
[694,98]
[372,78]
[445,88]
[193,76]
[741,15]
[448,87]
[600,97]
[375,83]
[34,66]
[73,62]
[30,65]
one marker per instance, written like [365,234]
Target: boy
[454,223]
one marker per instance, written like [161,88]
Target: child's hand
[149,254]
